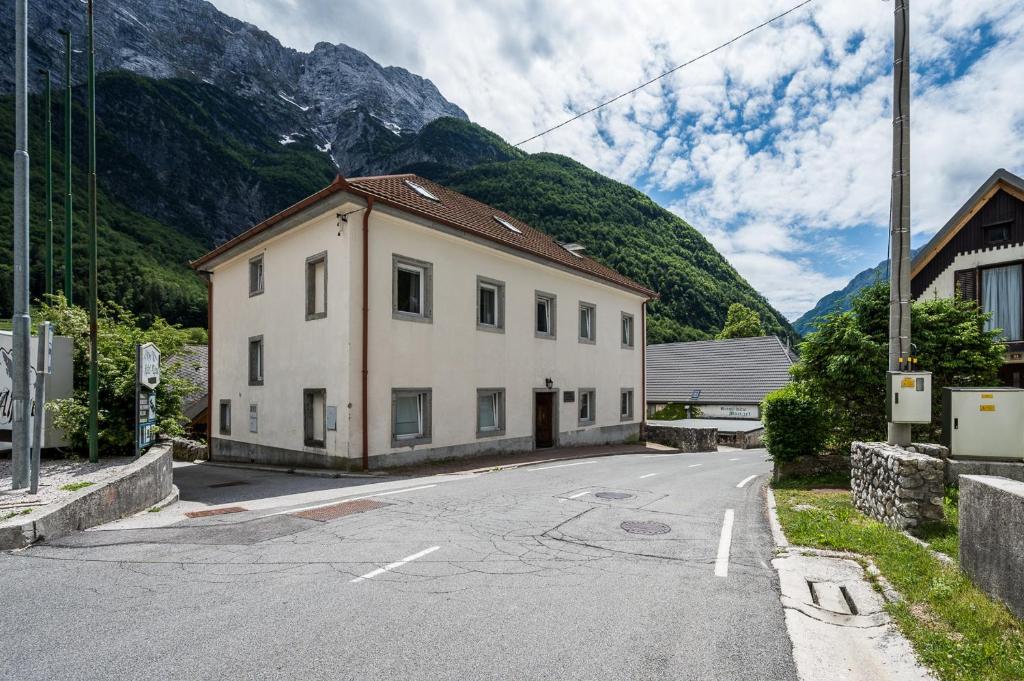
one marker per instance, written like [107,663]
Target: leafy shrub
[676,411]
[794,424]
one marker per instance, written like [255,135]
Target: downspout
[366,332]
[643,368]
[209,365]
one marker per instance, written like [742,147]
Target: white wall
[944,287]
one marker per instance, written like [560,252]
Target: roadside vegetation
[75,486]
[955,628]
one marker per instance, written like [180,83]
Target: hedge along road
[627,567]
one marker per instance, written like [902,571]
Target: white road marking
[694,465]
[733,459]
[649,475]
[561,465]
[744,481]
[722,561]
[396,564]
[658,456]
[578,494]
[345,501]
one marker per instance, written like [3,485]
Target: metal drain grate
[230,483]
[216,511]
[613,495]
[645,527]
[339,510]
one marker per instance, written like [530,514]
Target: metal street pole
[94,405]
[68,218]
[899,228]
[20,319]
[49,186]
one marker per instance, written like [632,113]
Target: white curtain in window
[408,415]
[1001,287]
[487,406]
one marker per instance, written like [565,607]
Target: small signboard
[149,365]
[147,419]
[147,370]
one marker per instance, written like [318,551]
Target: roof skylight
[422,191]
[574,248]
[507,225]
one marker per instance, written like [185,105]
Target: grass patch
[12,514]
[956,629]
[944,536]
[75,486]
[155,509]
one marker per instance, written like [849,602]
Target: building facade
[979,255]
[389,320]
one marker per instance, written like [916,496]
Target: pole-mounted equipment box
[983,423]
[908,397]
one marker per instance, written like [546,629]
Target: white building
[386,320]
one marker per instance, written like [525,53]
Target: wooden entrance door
[544,419]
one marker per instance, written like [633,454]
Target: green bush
[794,424]
[676,411]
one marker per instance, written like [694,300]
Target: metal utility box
[908,397]
[983,423]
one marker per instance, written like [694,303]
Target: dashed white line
[744,481]
[649,475]
[694,465]
[396,564]
[733,459]
[724,541]
[345,501]
[578,494]
[561,465]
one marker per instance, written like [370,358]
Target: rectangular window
[586,404]
[410,416]
[490,412]
[965,284]
[253,418]
[316,286]
[411,284]
[588,319]
[225,417]
[626,404]
[1001,296]
[314,416]
[997,234]
[627,330]
[256,275]
[256,360]
[545,322]
[490,304]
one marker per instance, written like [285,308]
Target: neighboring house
[724,379]
[979,254]
[192,364]
[387,320]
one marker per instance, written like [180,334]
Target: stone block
[899,487]
[991,540]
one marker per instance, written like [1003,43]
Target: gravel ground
[56,473]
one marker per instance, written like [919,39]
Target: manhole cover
[215,511]
[340,510]
[613,495]
[645,527]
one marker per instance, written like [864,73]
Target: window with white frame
[587,399]
[256,360]
[490,304]
[225,417]
[545,320]
[253,418]
[588,321]
[410,416]
[411,284]
[490,411]
[314,417]
[627,330]
[626,404]
[256,275]
[316,286]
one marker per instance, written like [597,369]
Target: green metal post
[94,455]
[68,216]
[49,187]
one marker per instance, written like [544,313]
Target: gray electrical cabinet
[983,423]
[908,397]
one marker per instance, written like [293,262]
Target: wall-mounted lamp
[548,382]
[343,219]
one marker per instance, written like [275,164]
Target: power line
[666,73]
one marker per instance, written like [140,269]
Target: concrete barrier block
[992,537]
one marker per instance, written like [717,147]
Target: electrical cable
[666,73]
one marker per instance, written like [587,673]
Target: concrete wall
[991,541]
[683,439]
[944,287]
[895,486]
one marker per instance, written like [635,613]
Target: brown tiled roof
[453,210]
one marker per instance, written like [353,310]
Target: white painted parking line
[561,465]
[733,459]
[345,501]
[722,561]
[744,481]
[578,495]
[694,465]
[649,475]
[396,564]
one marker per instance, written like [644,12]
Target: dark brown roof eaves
[453,210]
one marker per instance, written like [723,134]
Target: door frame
[554,416]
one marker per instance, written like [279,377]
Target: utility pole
[68,218]
[20,447]
[49,186]
[94,405]
[899,228]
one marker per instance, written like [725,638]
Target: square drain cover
[340,510]
[215,511]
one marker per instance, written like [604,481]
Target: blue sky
[776,148]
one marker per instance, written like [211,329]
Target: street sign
[147,374]
[149,366]
[146,428]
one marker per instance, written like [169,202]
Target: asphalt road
[516,574]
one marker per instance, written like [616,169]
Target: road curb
[289,470]
[778,535]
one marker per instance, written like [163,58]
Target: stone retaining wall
[899,487]
[183,449]
[683,439]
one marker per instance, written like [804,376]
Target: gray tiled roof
[191,364]
[734,371]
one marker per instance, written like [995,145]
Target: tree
[741,322]
[843,364]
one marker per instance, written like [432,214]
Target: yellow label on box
[988,407]
[907,383]
[986,396]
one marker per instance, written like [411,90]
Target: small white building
[387,320]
